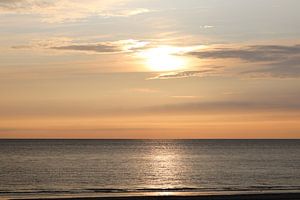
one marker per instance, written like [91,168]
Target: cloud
[227,106]
[285,68]
[264,60]
[258,61]
[187,74]
[68,10]
[125,13]
[206,27]
[195,107]
[144,90]
[185,97]
[105,47]
[258,53]
[68,44]
[100,48]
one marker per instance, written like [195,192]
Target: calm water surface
[118,167]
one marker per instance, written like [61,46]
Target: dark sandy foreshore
[281,196]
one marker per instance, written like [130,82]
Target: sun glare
[163,58]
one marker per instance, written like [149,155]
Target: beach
[277,196]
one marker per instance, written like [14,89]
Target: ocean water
[30,168]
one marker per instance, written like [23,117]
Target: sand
[281,196]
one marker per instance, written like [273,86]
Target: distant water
[130,167]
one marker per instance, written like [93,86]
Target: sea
[88,168]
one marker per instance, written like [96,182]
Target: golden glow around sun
[163,58]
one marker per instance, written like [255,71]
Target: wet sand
[281,196]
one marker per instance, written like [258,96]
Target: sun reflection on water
[164,168]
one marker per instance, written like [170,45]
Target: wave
[257,188]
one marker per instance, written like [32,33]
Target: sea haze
[129,167]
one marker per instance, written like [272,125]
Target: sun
[163,58]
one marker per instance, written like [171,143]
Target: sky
[149,69]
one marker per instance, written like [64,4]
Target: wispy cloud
[144,90]
[124,12]
[68,10]
[99,48]
[185,97]
[269,60]
[206,27]
[68,44]
[259,61]
[195,107]
[227,106]
[105,47]
[258,53]
[187,74]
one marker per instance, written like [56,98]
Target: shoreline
[264,196]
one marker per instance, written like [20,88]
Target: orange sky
[149,69]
